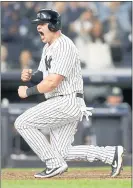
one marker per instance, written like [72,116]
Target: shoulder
[66,41]
[66,44]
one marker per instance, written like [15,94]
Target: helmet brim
[37,21]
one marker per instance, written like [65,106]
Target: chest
[46,60]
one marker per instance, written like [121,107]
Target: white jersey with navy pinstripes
[62,58]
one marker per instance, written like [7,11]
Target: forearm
[46,86]
[43,87]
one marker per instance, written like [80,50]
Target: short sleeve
[63,59]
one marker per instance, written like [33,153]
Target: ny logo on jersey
[48,62]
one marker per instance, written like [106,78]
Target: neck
[55,36]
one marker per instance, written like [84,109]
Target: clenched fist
[26,75]
[22,91]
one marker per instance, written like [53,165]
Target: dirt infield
[76,174]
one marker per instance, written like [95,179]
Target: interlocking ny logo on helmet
[49,16]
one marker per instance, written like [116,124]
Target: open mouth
[41,33]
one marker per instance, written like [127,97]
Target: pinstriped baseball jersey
[61,57]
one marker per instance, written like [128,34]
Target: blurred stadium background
[102,33]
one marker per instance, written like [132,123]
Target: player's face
[45,33]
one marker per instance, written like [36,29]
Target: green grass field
[66,183]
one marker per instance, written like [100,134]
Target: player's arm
[35,77]
[48,84]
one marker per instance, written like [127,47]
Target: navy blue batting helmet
[49,16]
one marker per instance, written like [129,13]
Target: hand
[22,91]
[26,75]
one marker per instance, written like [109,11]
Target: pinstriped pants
[61,116]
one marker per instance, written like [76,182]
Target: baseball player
[59,78]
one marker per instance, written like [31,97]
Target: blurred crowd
[100,30]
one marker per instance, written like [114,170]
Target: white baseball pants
[61,116]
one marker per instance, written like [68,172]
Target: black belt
[80,95]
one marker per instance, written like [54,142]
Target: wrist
[32,91]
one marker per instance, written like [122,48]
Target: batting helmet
[49,16]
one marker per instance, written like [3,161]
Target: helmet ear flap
[53,27]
